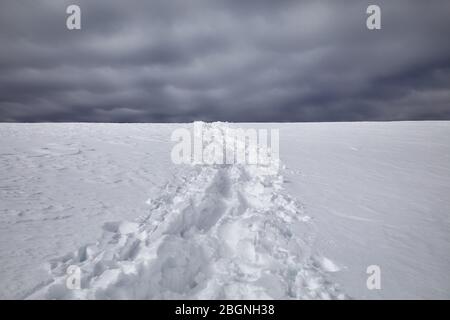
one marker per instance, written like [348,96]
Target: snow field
[376,194]
[217,232]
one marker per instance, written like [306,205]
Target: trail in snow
[215,232]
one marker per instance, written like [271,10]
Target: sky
[224,60]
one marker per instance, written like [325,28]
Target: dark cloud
[233,60]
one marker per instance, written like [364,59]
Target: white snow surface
[108,199]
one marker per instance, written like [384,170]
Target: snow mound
[215,232]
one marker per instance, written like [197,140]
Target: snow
[108,199]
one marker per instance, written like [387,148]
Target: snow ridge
[216,232]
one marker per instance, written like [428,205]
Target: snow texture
[219,232]
[344,197]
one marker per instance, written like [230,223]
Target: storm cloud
[229,60]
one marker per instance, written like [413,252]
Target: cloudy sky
[233,60]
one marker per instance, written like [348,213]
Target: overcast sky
[230,60]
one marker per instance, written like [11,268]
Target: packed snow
[107,199]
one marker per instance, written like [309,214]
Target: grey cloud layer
[247,60]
